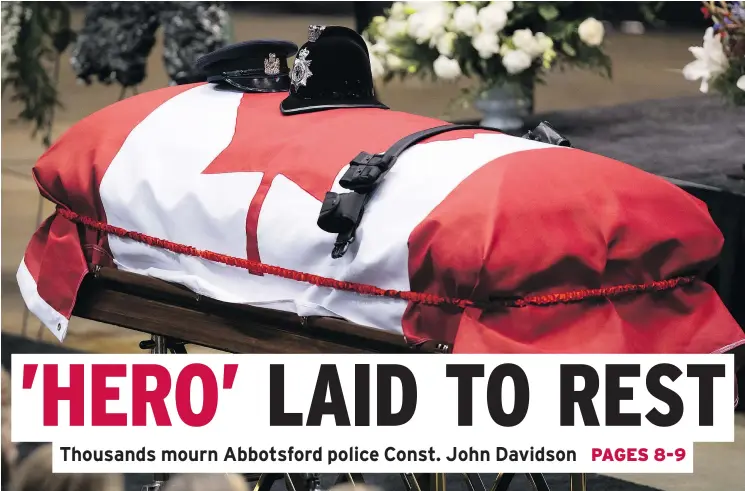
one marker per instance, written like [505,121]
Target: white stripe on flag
[53,320]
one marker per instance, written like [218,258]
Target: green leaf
[548,12]
[567,48]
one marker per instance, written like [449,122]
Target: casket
[484,241]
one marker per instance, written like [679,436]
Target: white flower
[394,28]
[516,61]
[591,32]
[710,60]
[524,40]
[429,23]
[545,42]
[466,19]
[446,69]
[741,83]
[522,37]
[492,18]
[398,11]
[393,62]
[446,44]
[487,44]
[418,28]
[376,67]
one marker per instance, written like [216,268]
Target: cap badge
[271,65]
[314,32]
[301,69]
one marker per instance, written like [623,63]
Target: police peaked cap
[250,66]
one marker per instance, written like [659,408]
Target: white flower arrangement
[720,60]
[496,42]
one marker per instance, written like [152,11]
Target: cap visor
[294,105]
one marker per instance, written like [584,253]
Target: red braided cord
[416,297]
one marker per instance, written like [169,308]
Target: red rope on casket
[416,297]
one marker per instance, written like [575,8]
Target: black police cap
[251,66]
[332,70]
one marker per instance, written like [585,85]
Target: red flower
[706,12]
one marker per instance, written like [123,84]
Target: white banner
[529,457]
[373,413]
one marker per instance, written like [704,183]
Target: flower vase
[506,106]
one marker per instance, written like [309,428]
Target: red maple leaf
[309,149]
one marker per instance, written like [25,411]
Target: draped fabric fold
[51,272]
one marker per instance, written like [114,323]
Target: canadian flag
[467,214]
